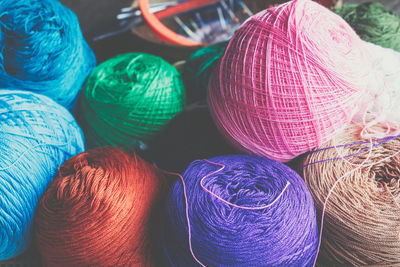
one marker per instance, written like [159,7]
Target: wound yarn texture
[373,22]
[97,211]
[42,49]
[284,234]
[36,136]
[129,99]
[289,79]
[361,225]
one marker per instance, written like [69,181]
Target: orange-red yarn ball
[98,210]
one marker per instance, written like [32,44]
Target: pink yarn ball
[289,79]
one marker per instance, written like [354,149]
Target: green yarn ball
[128,99]
[197,71]
[374,23]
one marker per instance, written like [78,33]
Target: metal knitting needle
[246,9]
[198,17]
[132,19]
[228,10]
[126,9]
[221,18]
[194,25]
[203,26]
[136,11]
[197,29]
[187,30]
[231,4]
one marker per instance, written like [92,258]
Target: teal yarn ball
[129,99]
[42,50]
[198,69]
[373,22]
[36,136]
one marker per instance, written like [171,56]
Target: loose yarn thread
[373,22]
[129,99]
[42,50]
[232,212]
[276,92]
[385,82]
[37,135]
[97,211]
[358,193]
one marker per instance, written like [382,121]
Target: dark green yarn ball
[374,23]
[197,71]
[129,99]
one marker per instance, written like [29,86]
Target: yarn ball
[197,71]
[373,22]
[361,224]
[283,234]
[289,79]
[97,211]
[37,135]
[42,50]
[385,82]
[191,135]
[129,99]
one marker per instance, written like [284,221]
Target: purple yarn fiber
[284,234]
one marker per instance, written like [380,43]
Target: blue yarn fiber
[42,49]
[36,136]
[284,234]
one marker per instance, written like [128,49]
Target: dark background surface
[96,16]
[95,21]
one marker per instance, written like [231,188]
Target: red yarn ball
[97,211]
[290,78]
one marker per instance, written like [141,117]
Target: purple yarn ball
[284,234]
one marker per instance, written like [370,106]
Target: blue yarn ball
[36,136]
[42,49]
[284,234]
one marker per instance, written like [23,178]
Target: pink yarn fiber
[289,79]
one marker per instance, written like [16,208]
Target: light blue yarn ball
[36,136]
[42,49]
